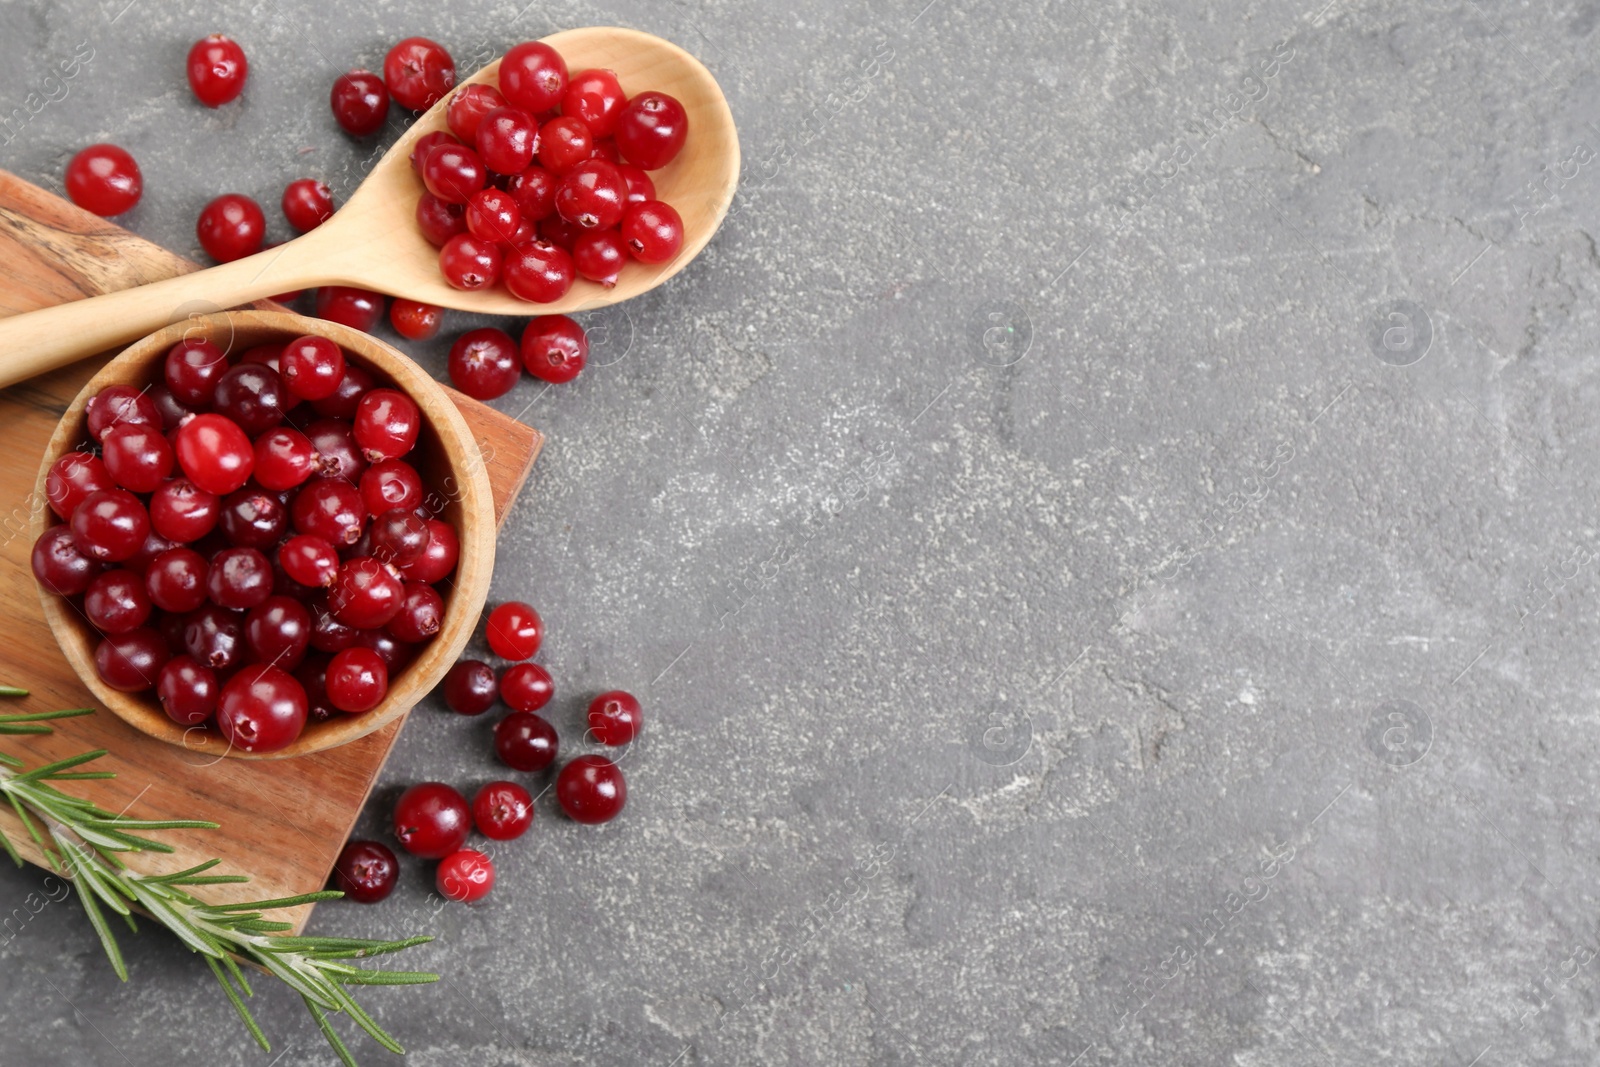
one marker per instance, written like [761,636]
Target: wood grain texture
[283,822]
[373,240]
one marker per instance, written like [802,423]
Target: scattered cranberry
[526,687]
[187,691]
[596,98]
[261,709]
[307,204]
[514,630]
[502,811]
[359,309]
[357,680]
[653,231]
[214,453]
[415,321]
[614,717]
[360,102]
[465,876]
[217,70]
[419,73]
[431,820]
[484,363]
[366,871]
[554,348]
[539,271]
[591,789]
[468,106]
[104,179]
[231,227]
[533,76]
[651,130]
[525,741]
[470,688]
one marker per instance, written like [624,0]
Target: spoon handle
[43,340]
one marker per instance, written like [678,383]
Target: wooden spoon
[373,241]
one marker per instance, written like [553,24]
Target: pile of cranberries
[432,820]
[250,538]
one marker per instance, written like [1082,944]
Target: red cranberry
[420,616]
[419,73]
[438,220]
[415,321]
[182,511]
[311,561]
[59,566]
[312,367]
[526,687]
[328,634]
[104,179]
[395,654]
[592,195]
[187,691]
[284,458]
[468,106]
[525,741]
[484,363]
[533,76]
[507,139]
[653,231]
[352,387]
[554,348]
[535,193]
[253,518]
[453,173]
[392,483]
[614,717]
[360,102]
[110,525]
[217,70]
[269,356]
[399,536]
[312,674]
[539,271]
[431,820]
[493,215]
[502,811]
[559,232]
[172,412]
[154,545]
[591,789]
[252,395]
[214,636]
[365,594]
[469,688]
[563,144]
[175,581]
[116,602]
[469,262]
[239,578]
[357,680]
[117,404]
[595,97]
[387,423]
[514,630]
[651,130]
[192,369]
[278,630]
[465,876]
[261,709]
[231,227]
[331,509]
[640,187]
[131,662]
[307,204]
[74,476]
[359,309]
[606,151]
[425,144]
[366,871]
[338,454]
[214,453]
[439,559]
[600,255]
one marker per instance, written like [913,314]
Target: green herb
[85,842]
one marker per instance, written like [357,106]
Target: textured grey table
[1103,536]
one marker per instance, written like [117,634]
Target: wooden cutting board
[282,821]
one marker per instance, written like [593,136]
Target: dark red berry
[591,789]
[640,187]
[554,348]
[484,363]
[192,369]
[217,70]
[74,476]
[253,518]
[307,204]
[338,454]
[366,871]
[261,709]
[131,662]
[514,630]
[104,179]
[357,680]
[525,741]
[359,309]
[438,220]
[187,690]
[239,578]
[110,525]
[563,144]
[391,483]
[431,820]
[214,636]
[469,262]
[426,144]
[493,215]
[386,425]
[614,717]
[312,367]
[365,593]
[535,193]
[116,602]
[284,458]
[502,811]
[277,630]
[175,580]
[444,548]
[592,195]
[507,139]
[420,616]
[470,688]
[651,130]
[419,73]
[331,509]
[399,536]
[252,396]
[453,173]
[526,687]
[118,404]
[468,105]
[539,272]
[600,255]
[360,102]
[309,560]
[231,227]
[59,566]
[415,321]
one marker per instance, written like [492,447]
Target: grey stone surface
[1077,623]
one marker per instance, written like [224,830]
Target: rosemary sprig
[85,843]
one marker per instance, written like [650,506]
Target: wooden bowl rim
[470,580]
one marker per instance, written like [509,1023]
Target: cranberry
[110,525]
[507,139]
[563,144]
[539,271]
[74,476]
[187,691]
[284,458]
[395,654]
[359,309]
[312,674]
[469,262]
[217,70]
[453,173]
[425,144]
[469,688]
[357,680]
[59,566]
[360,102]
[525,741]
[366,871]
[392,483]
[239,578]
[387,423]
[465,876]
[261,709]
[277,631]
[175,580]
[653,231]
[338,454]
[419,73]
[154,545]
[468,106]
[595,97]
[192,369]
[493,215]
[311,561]
[440,558]
[640,187]
[253,518]
[431,820]
[252,395]
[600,255]
[231,227]
[307,204]
[214,636]
[328,634]
[591,789]
[651,130]
[502,811]
[214,453]
[365,593]
[514,630]
[559,232]
[330,509]
[269,356]
[118,404]
[182,511]
[414,320]
[116,602]
[484,363]
[438,220]
[312,367]
[535,193]
[526,687]
[420,616]
[533,76]
[614,717]
[172,412]
[399,536]
[131,662]
[104,179]
[554,348]
[592,195]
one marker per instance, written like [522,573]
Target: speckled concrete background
[1104,537]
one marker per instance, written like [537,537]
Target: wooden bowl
[446,456]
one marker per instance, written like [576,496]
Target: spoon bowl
[373,241]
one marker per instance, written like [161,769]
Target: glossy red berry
[398,536]
[507,139]
[470,687]
[591,789]
[59,566]
[261,709]
[484,363]
[231,227]
[309,560]
[420,616]
[439,221]
[427,143]
[539,272]
[431,820]
[253,518]
[312,367]
[217,70]
[559,232]
[360,102]
[514,630]
[653,231]
[110,525]
[239,578]
[600,256]
[640,187]
[592,195]
[252,396]
[387,423]
[651,130]
[614,717]
[469,262]
[535,193]
[563,144]
[502,811]
[357,680]
[366,871]
[444,548]
[175,580]
[359,309]
[493,215]
[468,105]
[554,348]
[465,876]
[191,371]
[104,179]
[117,404]
[137,457]
[214,636]
[307,204]
[337,452]
[187,690]
[419,73]
[525,741]
[182,511]
[329,508]
[415,321]
[453,173]
[365,594]
[285,458]
[214,453]
[77,474]
[277,631]
[131,662]
[595,97]
[116,602]
[533,76]
[526,687]
[392,483]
